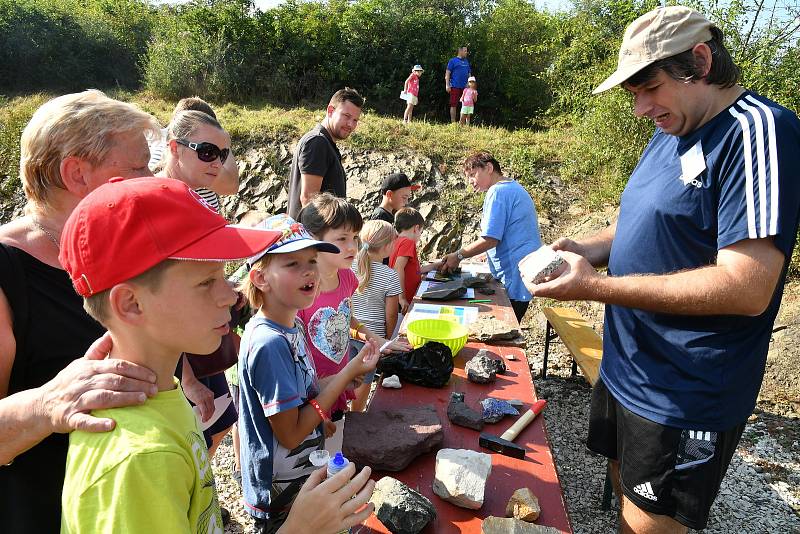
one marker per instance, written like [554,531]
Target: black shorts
[663,470]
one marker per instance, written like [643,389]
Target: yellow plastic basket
[450,333]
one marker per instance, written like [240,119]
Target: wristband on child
[319,410]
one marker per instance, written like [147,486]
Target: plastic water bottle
[336,464]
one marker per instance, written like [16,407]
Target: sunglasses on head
[206,152]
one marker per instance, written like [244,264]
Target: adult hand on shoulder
[94,383]
[332,505]
[576,282]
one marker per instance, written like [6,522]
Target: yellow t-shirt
[150,474]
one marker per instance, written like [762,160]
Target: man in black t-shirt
[317,165]
[396,190]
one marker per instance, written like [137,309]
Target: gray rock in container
[462,415]
[401,509]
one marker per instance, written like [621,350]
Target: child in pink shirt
[329,321]
[411,92]
[468,99]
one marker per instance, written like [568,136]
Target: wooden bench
[583,343]
[586,348]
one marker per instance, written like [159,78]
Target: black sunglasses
[206,152]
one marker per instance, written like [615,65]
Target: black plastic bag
[430,365]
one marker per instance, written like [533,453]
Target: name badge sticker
[693,163]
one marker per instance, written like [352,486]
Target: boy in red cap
[148,256]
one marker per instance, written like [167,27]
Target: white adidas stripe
[773,164]
[762,169]
[768,207]
[748,173]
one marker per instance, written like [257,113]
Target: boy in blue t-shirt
[284,411]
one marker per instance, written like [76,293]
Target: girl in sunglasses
[198,152]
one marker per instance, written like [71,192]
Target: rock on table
[401,509]
[502,525]
[390,440]
[461,476]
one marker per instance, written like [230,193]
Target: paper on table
[220,405]
[425,285]
[464,314]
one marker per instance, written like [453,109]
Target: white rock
[392,382]
[461,476]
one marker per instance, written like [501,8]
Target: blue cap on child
[294,237]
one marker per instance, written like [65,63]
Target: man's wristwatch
[459,255]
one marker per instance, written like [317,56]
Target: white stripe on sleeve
[773,164]
[748,172]
[762,167]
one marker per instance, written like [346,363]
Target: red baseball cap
[125,227]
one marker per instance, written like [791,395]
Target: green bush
[71,45]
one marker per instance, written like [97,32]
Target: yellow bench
[583,343]
[586,348]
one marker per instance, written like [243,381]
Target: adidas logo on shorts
[646,491]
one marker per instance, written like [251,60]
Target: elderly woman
[509,227]
[72,145]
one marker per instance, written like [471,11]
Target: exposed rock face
[401,509]
[390,440]
[461,476]
[503,525]
[264,171]
[460,414]
[483,369]
[523,505]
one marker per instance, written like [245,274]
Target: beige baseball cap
[658,34]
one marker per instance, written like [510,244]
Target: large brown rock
[390,440]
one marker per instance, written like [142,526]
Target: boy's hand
[332,505]
[364,362]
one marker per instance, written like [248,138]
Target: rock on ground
[461,476]
[390,440]
[401,509]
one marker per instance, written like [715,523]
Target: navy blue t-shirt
[701,372]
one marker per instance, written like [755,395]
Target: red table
[536,471]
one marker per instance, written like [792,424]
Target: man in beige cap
[696,267]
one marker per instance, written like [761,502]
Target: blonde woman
[72,145]
[376,301]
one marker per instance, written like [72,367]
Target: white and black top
[369,307]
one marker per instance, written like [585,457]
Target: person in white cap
[468,99]
[411,92]
[696,262]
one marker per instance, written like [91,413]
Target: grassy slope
[531,156]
